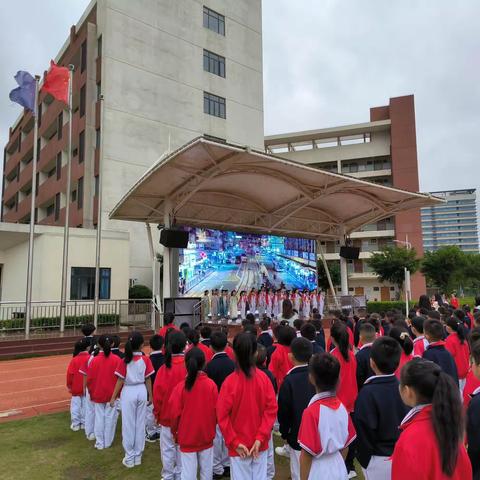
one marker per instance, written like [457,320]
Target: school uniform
[101,381]
[461,356]
[356,330]
[347,390]
[118,353]
[404,358]
[416,453]
[206,342]
[320,339]
[420,344]
[158,359]
[206,351]
[166,380]
[293,398]
[265,339]
[280,364]
[326,430]
[229,351]
[133,401]
[471,384]
[364,370]
[379,410]
[437,353]
[75,387]
[195,433]
[473,433]
[246,412]
[316,348]
[89,406]
[164,330]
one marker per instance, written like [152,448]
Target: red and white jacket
[101,378]
[74,376]
[246,410]
[460,353]
[194,432]
[404,358]
[347,390]
[471,384]
[420,344]
[280,364]
[135,372]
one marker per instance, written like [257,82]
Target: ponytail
[458,327]
[106,344]
[134,344]
[80,346]
[175,343]
[194,361]
[245,346]
[434,386]
[340,335]
[401,335]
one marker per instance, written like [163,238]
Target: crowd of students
[399,395]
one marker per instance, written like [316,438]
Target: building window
[97,139]
[51,209]
[214,63]
[39,114]
[80,194]
[83,54]
[81,147]
[59,165]
[60,126]
[97,185]
[39,146]
[83,283]
[37,183]
[214,105]
[99,46]
[52,171]
[82,101]
[35,216]
[73,196]
[57,206]
[213,21]
[99,90]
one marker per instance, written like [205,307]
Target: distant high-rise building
[452,223]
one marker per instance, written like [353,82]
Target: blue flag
[24,94]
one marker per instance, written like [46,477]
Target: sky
[326,62]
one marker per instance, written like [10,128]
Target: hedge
[379,307]
[104,319]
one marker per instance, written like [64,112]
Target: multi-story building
[452,223]
[383,151]
[168,72]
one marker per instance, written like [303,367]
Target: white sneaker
[137,461]
[74,428]
[91,437]
[282,451]
[352,474]
[128,465]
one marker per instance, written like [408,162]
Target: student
[436,351]
[320,334]
[362,315]
[366,336]
[168,377]
[218,369]
[280,362]
[308,331]
[430,444]
[379,410]
[152,430]
[134,380]
[116,347]
[472,382]
[261,363]
[400,334]
[205,333]
[420,343]
[326,429]
[168,319]
[88,404]
[194,433]
[473,416]
[205,305]
[75,384]
[457,345]
[101,380]
[293,398]
[297,325]
[194,341]
[246,411]
[265,337]
[88,329]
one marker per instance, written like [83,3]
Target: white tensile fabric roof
[221,186]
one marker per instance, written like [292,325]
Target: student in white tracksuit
[88,405]
[134,375]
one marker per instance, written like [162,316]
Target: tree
[334,269]
[390,263]
[445,268]
[139,292]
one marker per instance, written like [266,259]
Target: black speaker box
[173,238]
[350,253]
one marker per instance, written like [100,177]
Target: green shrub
[378,307]
[139,292]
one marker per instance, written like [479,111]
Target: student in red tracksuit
[401,335]
[101,381]
[168,324]
[168,377]
[420,343]
[193,338]
[280,363]
[246,412]
[195,433]
[430,446]
[75,384]
[457,345]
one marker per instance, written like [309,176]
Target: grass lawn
[44,448]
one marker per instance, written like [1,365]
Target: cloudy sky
[326,63]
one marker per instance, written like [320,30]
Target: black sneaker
[226,471]
[152,438]
[217,476]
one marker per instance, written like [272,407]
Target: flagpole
[99,221]
[33,193]
[63,301]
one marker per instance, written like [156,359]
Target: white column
[155,296]
[167,270]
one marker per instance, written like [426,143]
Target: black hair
[88,329]
[80,346]
[261,355]
[184,325]
[249,328]
[340,335]
[367,330]
[298,323]
[434,329]
[156,342]
[386,353]
[245,346]
[285,335]
[264,324]
[105,343]
[287,309]
[302,349]
[423,311]
[325,370]
[133,344]
[317,323]
[460,314]
[193,336]
[434,315]
[194,362]
[424,302]
[418,322]
[434,386]
[168,318]
[206,331]
[218,341]
[458,328]
[401,335]
[115,341]
[175,343]
[308,331]
[250,318]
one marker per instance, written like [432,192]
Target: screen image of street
[234,261]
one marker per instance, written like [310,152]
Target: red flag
[56,82]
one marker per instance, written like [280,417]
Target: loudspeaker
[350,253]
[173,238]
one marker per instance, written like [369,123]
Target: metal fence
[45,316]
[344,302]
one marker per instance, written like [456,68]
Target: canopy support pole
[156,304]
[343,267]
[167,264]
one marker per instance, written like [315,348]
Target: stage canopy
[227,187]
